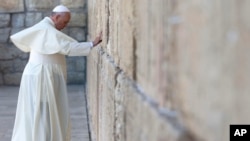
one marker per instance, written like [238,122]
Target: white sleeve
[80,48]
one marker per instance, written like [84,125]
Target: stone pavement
[77,103]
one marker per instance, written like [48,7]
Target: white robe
[42,110]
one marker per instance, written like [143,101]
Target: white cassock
[42,109]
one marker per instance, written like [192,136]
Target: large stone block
[74,4]
[77,33]
[211,89]
[11,53]
[18,20]
[33,18]
[4,34]
[35,5]
[153,48]
[127,39]
[4,20]
[12,6]
[6,66]
[1,79]
[92,94]
[81,64]
[18,65]
[78,19]
[12,78]
[75,77]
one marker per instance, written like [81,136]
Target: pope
[42,110]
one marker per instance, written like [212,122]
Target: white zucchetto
[61,8]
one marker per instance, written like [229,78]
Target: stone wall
[16,15]
[168,70]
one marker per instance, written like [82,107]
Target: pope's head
[60,16]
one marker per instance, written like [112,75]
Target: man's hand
[98,39]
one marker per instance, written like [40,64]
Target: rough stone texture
[14,19]
[34,5]
[33,18]
[4,34]
[78,19]
[168,69]
[4,20]
[18,20]
[11,6]
[74,3]
[77,33]
[12,78]
[1,79]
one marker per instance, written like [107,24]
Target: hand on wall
[98,39]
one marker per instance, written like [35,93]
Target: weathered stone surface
[4,34]
[127,41]
[35,5]
[8,53]
[93,93]
[80,64]
[6,67]
[1,79]
[33,18]
[78,19]
[75,77]
[18,20]
[210,82]
[11,6]
[189,57]
[12,79]
[77,33]
[19,65]
[74,4]
[4,20]
[15,30]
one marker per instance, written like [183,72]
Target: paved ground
[8,102]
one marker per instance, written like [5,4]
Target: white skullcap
[61,8]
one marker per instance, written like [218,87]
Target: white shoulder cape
[43,38]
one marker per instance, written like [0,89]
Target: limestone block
[18,20]
[81,64]
[139,120]
[10,53]
[74,3]
[33,18]
[71,64]
[6,66]
[4,20]
[1,79]
[127,37]
[16,29]
[106,98]
[66,30]
[11,6]
[12,79]
[4,34]
[212,46]
[113,29]
[92,93]
[78,19]
[35,5]
[108,71]
[153,48]
[75,77]
[77,33]
[18,65]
